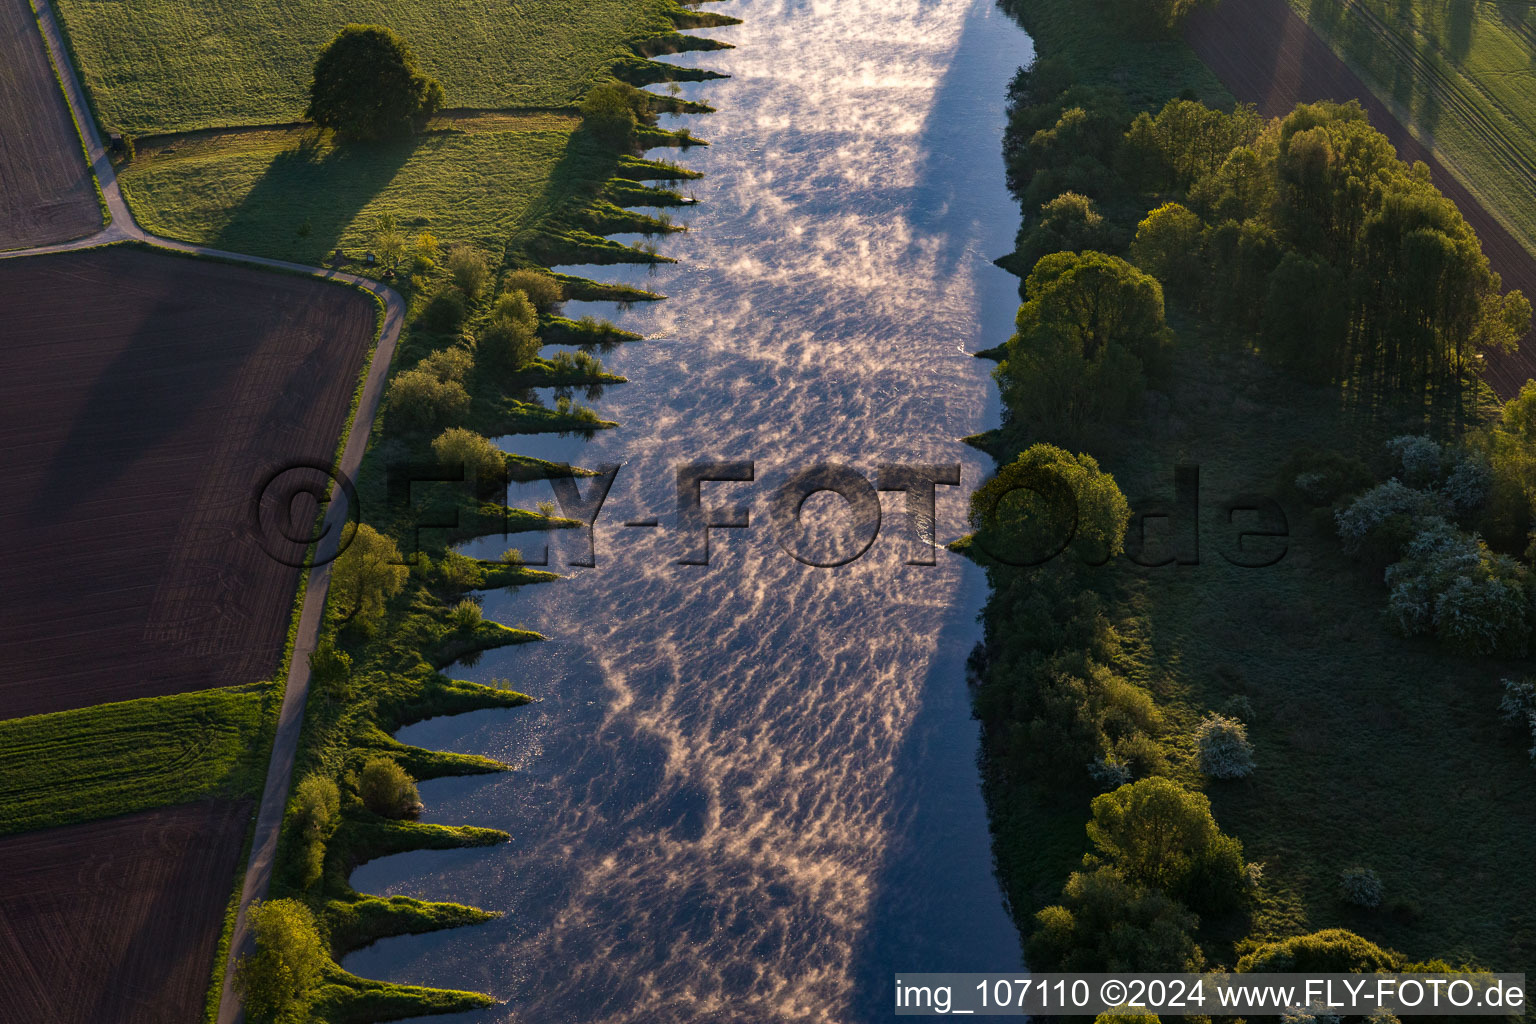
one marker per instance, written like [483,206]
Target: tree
[470,271]
[479,457]
[279,981]
[365,575]
[388,241]
[1046,499]
[1167,246]
[367,86]
[1099,302]
[387,789]
[1068,223]
[510,336]
[542,289]
[316,807]
[330,670]
[612,109]
[1107,923]
[1159,834]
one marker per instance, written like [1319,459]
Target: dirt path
[1270,57]
[269,818]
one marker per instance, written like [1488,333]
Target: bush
[542,289]
[465,615]
[470,270]
[1362,887]
[512,557]
[445,313]
[510,336]
[365,576]
[481,459]
[1518,707]
[330,670]
[280,981]
[1322,477]
[1225,752]
[1332,951]
[387,789]
[1449,584]
[316,813]
[367,86]
[1386,517]
[421,400]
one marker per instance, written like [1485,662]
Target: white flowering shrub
[1391,503]
[1109,772]
[1449,584]
[1466,488]
[1519,707]
[1421,458]
[1362,887]
[1225,752]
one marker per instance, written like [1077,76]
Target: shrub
[1322,477]
[445,313]
[365,576]
[449,364]
[1225,752]
[510,336]
[280,980]
[330,670]
[470,271]
[421,400]
[1385,518]
[1449,584]
[316,804]
[512,557]
[1420,457]
[1331,951]
[387,789]
[1238,707]
[367,86]
[425,252]
[1361,886]
[479,457]
[1518,707]
[542,289]
[459,570]
[465,615]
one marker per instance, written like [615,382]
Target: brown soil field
[117,922]
[1268,56]
[144,399]
[46,191]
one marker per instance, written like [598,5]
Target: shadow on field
[310,194]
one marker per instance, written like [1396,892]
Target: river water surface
[749,791]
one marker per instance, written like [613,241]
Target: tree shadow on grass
[309,195]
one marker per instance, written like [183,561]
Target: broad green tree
[1159,834]
[278,982]
[367,86]
[365,576]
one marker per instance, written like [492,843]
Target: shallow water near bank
[749,791]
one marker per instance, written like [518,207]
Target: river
[749,791]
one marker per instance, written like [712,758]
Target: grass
[1458,72]
[115,759]
[154,66]
[289,195]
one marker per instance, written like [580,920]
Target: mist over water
[749,791]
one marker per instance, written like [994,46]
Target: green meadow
[155,66]
[119,758]
[291,194]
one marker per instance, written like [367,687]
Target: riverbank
[1338,708]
